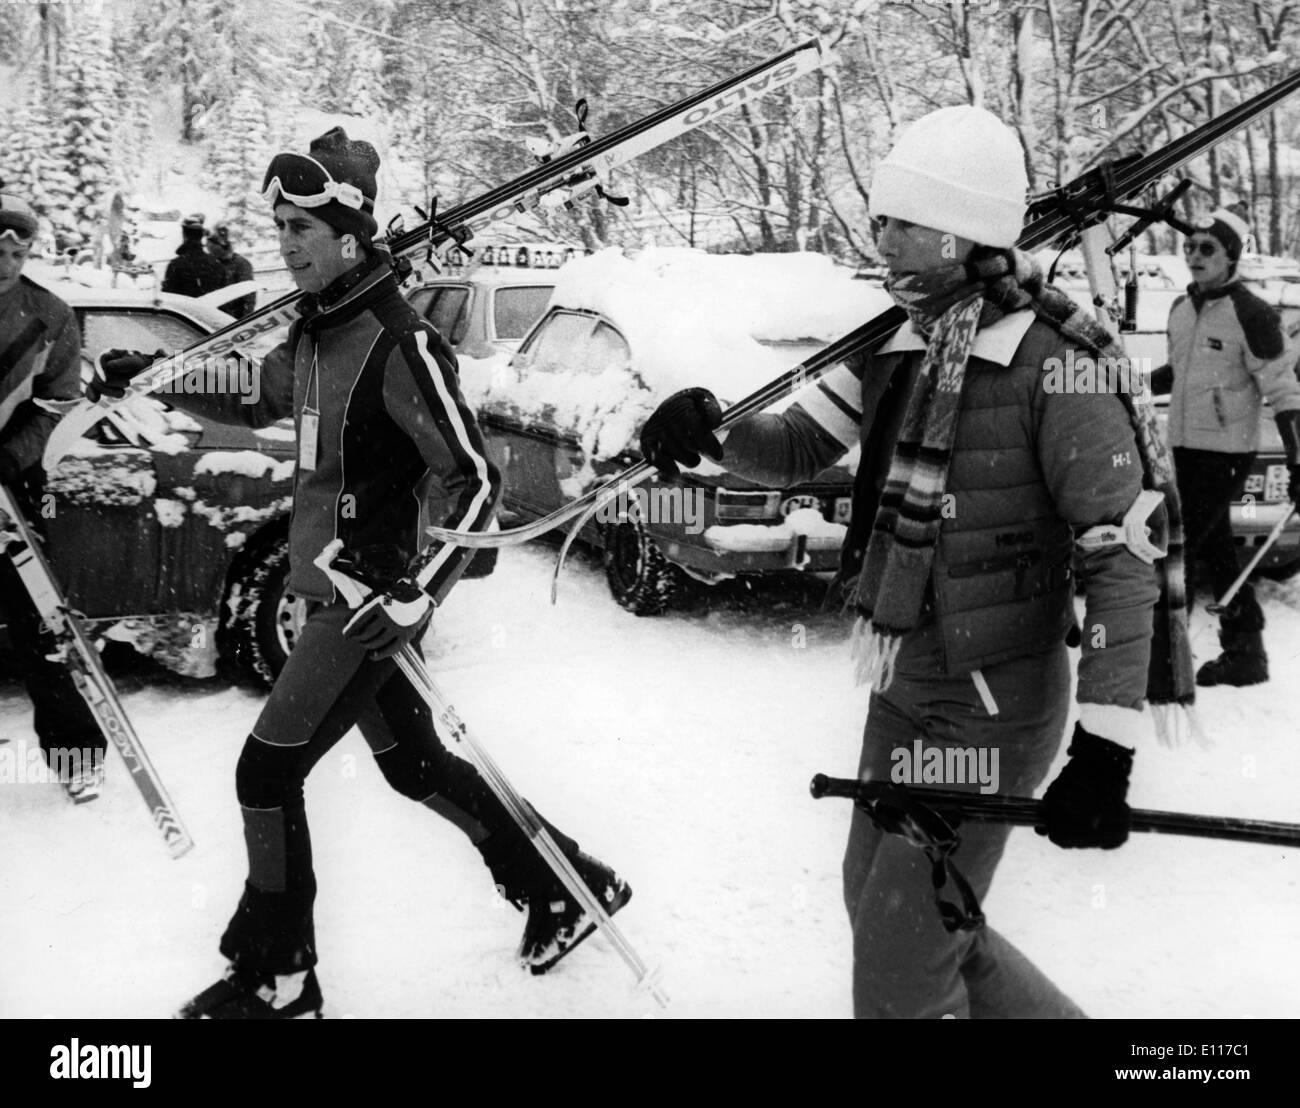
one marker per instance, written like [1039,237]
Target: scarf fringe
[874,655]
[1177,723]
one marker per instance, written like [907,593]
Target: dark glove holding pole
[1288,426]
[1085,805]
[114,370]
[393,619]
[680,430]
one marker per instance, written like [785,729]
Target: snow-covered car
[166,530]
[1265,499]
[620,335]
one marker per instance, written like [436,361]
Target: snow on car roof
[492,276]
[692,318]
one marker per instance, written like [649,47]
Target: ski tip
[651,982]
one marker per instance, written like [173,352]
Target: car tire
[641,579]
[1279,571]
[263,618]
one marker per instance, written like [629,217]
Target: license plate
[843,509]
[803,500]
[1275,484]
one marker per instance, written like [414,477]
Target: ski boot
[557,922]
[86,783]
[1243,661]
[250,995]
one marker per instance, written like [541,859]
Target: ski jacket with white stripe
[397,449]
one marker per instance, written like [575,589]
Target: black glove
[391,620]
[680,430]
[114,370]
[1162,380]
[1085,805]
[1288,426]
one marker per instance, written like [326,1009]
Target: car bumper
[726,550]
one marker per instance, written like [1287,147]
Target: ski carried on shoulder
[1056,218]
[82,659]
[574,167]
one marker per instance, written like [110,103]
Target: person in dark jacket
[236,268]
[1227,354]
[40,367]
[387,446]
[193,272]
[981,481]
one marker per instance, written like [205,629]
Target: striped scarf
[949,306]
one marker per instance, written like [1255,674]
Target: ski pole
[412,665]
[1221,605]
[89,677]
[1027,812]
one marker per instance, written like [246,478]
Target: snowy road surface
[678,749]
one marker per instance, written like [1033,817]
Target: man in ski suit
[236,268]
[193,272]
[1227,353]
[40,363]
[387,446]
[980,483]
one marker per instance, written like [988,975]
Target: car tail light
[731,504]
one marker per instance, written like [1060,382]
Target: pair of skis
[579,167]
[78,653]
[1056,218]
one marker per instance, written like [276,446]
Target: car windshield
[124,329]
[447,311]
[570,343]
[515,310]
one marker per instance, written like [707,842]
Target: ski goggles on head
[302,180]
[18,236]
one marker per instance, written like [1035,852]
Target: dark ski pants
[905,965]
[64,725]
[1208,483]
[328,686]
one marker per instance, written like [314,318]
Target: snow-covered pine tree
[85,99]
[29,165]
[239,158]
[134,130]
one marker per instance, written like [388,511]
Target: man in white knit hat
[980,483]
[1227,354]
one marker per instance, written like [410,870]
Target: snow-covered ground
[679,749]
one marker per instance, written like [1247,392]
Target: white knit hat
[957,169]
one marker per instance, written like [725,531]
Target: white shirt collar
[996,343]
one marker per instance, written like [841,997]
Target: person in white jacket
[1227,355]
